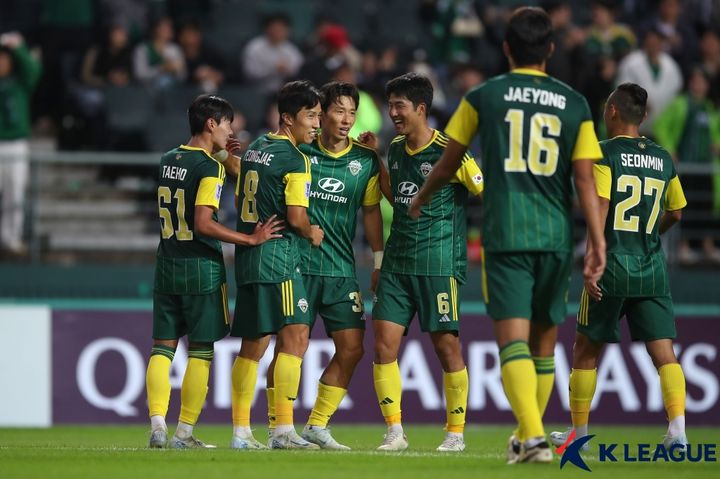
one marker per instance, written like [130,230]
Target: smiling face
[339,119]
[404,115]
[304,125]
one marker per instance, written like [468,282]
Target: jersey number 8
[248,212]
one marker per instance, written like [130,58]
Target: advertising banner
[99,360]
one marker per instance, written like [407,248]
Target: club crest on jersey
[303,305]
[641,145]
[355,166]
[178,156]
[425,168]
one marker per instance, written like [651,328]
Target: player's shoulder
[362,152]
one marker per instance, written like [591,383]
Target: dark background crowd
[117,75]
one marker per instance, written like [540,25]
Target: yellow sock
[582,390]
[672,384]
[327,402]
[545,370]
[456,394]
[520,384]
[157,380]
[195,384]
[244,377]
[270,392]
[287,381]
[388,389]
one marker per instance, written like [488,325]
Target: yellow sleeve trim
[603,180]
[463,124]
[297,189]
[470,176]
[209,192]
[372,194]
[675,197]
[586,143]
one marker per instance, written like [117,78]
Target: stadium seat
[251,101]
[167,131]
[128,107]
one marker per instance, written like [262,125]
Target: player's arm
[207,202]
[297,200]
[460,129]
[470,176]
[674,203]
[372,222]
[590,205]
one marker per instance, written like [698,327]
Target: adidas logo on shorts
[444,319]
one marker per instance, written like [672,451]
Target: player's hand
[369,139]
[415,206]
[316,235]
[234,146]
[593,269]
[374,277]
[268,230]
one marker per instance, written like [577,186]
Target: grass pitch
[109,452]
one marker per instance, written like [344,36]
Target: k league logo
[407,188]
[331,185]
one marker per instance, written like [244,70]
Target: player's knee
[350,354]
[662,355]
[385,351]
[585,352]
[449,352]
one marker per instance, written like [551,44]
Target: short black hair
[296,95]
[332,91]
[529,36]
[208,106]
[416,88]
[630,99]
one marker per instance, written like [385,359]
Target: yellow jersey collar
[529,71]
[340,153]
[196,148]
[415,152]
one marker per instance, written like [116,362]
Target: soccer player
[344,179]
[640,199]
[271,297]
[425,259]
[535,132]
[190,295]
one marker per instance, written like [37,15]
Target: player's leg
[392,314]
[292,342]
[597,323]
[208,321]
[509,293]
[244,370]
[341,308]
[652,320]
[438,313]
[166,329]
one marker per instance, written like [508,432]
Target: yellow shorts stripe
[454,298]
[486,297]
[583,311]
[285,297]
[223,292]
[291,303]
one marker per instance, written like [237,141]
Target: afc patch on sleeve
[218,191]
[307,189]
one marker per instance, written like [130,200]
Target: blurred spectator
[133,13]
[272,118]
[680,37]
[205,66]
[109,63]
[597,85]
[710,60]
[65,33]
[159,62]
[19,73]
[455,28]
[654,70]
[566,60]
[333,51]
[270,59]
[689,128]
[367,114]
[606,36]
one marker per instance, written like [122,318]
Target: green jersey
[638,177]
[188,262]
[274,174]
[531,128]
[342,182]
[435,243]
